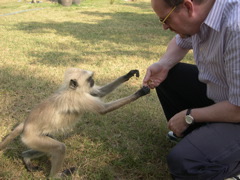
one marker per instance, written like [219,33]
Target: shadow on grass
[19,93]
[132,134]
[122,29]
[142,5]
[136,138]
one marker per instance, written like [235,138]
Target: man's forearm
[173,55]
[219,112]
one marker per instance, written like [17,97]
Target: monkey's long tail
[16,132]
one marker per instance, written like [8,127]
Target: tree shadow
[115,136]
[142,5]
[120,29]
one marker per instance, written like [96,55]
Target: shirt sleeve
[185,43]
[232,65]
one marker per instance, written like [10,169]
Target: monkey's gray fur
[62,110]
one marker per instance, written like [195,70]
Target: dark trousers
[209,150]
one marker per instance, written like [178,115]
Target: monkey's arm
[104,90]
[108,107]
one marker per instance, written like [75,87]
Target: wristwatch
[188,118]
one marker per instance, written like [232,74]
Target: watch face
[189,119]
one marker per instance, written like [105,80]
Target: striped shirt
[217,51]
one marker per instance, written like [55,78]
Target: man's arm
[157,72]
[219,112]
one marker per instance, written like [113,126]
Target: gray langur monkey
[78,94]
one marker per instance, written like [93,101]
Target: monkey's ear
[73,84]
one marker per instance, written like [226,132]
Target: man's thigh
[211,151]
[217,141]
[182,90]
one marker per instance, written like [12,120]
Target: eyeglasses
[164,20]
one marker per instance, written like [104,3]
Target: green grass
[110,39]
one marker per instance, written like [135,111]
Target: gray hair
[172,3]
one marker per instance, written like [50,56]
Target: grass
[107,37]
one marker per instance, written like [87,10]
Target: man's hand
[156,73]
[177,123]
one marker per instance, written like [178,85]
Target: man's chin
[184,35]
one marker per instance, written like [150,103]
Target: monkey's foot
[68,172]
[30,167]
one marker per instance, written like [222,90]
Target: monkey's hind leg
[32,154]
[28,156]
[47,145]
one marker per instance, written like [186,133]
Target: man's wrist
[189,118]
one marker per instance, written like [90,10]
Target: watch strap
[189,111]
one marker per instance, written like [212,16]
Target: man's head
[183,17]
[172,3]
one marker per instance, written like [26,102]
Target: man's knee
[186,162]
[175,161]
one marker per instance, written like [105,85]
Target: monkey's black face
[91,81]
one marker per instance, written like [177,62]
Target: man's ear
[189,6]
[73,84]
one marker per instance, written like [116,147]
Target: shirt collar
[214,17]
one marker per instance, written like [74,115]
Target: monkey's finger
[137,74]
[132,73]
[143,91]
[146,89]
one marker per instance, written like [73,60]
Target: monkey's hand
[143,91]
[131,74]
